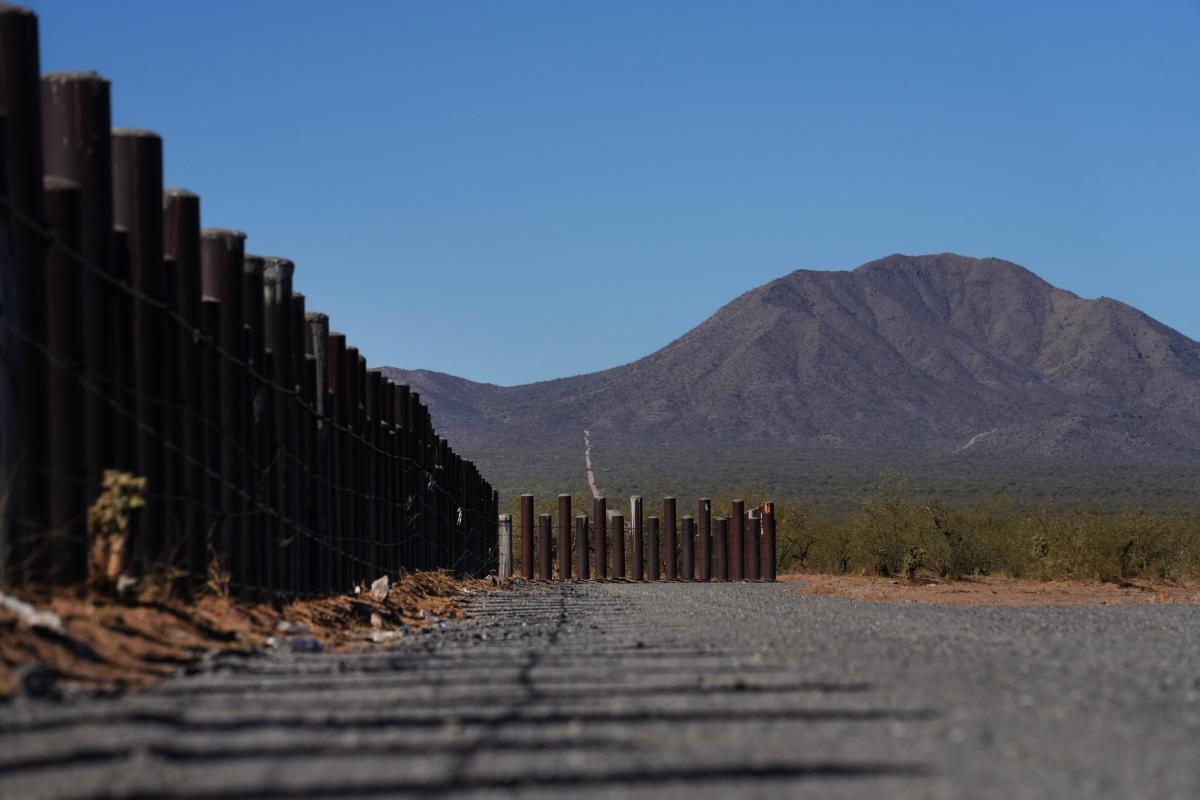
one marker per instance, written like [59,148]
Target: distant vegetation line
[896,529]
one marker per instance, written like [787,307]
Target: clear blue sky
[512,191]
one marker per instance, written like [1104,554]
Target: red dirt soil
[994,591]
[113,645]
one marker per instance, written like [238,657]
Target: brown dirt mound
[994,591]
[110,645]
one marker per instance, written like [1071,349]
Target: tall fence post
[77,144]
[527,536]
[181,242]
[670,554]
[67,532]
[688,547]
[767,553]
[564,537]
[753,532]
[737,524]
[543,547]
[618,547]
[316,345]
[705,536]
[582,567]
[652,568]
[25,511]
[600,537]
[221,253]
[505,536]
[138,207]
[721,549]
[637,545]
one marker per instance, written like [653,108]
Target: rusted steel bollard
[767,549]
[618,546]
[505,533]
[181,241]
[77,144]
[67,562]
[564,537]
[704,534]
[737,524]
[688,546]
[638,547]
[543,546]
[652,569]
[721,549]
[527,536]
[753,532]
[600,537]
[137,206]
[669,544]
[221,253]
[24,367]
[582,566]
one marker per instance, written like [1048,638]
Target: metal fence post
[721,549]
[543,547]
[618,546]
[24,515]
[737,524]
[637,546]
[705,536]
[221,253]
[564,537]
[181,242]
[600,537]
[652,569]
[77,144]
[767,554]
[66,536]
[582,566]
[753,532]
[505,534]
[138,207]
[670,554]
[688,546]
[527,536]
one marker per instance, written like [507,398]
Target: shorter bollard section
[753,532]
[688,546]
[721,549]
[767,554]
[669,545]
[739,547]
[527,536]
[564,537]
[737,526]
[618,546]
[600,537]
[635,519]
[652,570]
[505,545]
[582,567]
[543,547]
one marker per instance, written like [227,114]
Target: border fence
[738,547]
[134,340]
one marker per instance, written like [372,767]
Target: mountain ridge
[935,354]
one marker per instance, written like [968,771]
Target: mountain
[938,356]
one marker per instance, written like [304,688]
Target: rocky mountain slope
[938,355]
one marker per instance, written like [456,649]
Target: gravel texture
[660,690]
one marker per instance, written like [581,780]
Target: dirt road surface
[661,690]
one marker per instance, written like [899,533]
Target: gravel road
[661,690]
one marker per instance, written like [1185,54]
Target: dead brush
[108,525]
